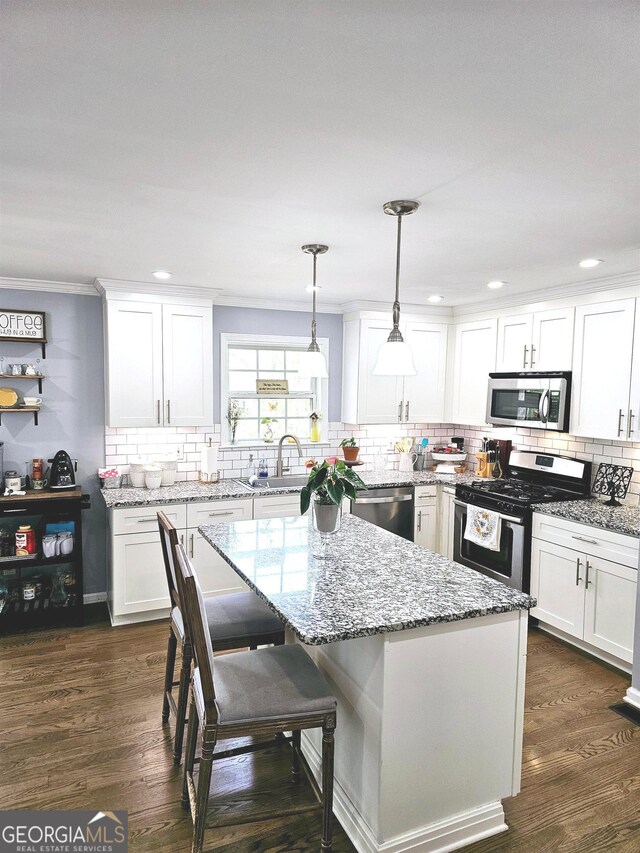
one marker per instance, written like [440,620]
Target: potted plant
[350,449]
[268,434]
[327,485]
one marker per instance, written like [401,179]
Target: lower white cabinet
[276,506]
[583,595]
[137,588]
[425,528]
[215,575]
[446,521]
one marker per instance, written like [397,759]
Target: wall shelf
[34,409]
[36,376]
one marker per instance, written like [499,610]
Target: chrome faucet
[279,468]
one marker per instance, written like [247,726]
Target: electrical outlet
[180,453]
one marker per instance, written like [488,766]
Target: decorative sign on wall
[272,387]
[16,325]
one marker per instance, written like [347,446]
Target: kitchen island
[427,661]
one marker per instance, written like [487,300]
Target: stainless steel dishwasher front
[390,508]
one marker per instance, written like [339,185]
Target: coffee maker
[62,476]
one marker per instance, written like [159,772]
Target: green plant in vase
[235,410]
[268,435]
[328,484]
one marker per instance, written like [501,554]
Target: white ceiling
[214,138]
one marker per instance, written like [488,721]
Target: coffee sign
[16,325]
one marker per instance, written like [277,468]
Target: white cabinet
[581,593]
[215,575]
[276,506]
[367,398]
[474,359]
[159,364]
[446,521]
[602,394]
[137,588]
[425,529]
[539,341]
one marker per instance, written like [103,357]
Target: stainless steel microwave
[535,400]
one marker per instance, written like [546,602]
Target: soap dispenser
[263,471]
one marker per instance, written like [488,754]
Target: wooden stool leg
[189,758]
[204,782]
[168,674]
[295,759]
[183,698]
[327,785]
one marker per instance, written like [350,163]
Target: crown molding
[578,288]
[48,286]
[114,287]
[230,301]
[430,309]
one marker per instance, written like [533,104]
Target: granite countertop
[621,519]
[373,583]
[192,491]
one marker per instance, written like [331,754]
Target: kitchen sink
[259,485]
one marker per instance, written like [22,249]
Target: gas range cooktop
[516,490]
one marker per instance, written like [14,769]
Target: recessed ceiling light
[161,274]
[496,285]
[588,263]
[310,287]
[435,298]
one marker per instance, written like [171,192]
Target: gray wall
[260,322]
[72,416]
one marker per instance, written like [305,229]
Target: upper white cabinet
[370,399]
[604,403]
[159,364]
[474,359]
[539,341]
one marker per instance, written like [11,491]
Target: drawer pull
[221,512]
[585,539]
[147,519]
[578,564]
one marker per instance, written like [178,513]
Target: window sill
[261,445]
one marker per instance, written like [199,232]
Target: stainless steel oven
[509,564]
[538,400]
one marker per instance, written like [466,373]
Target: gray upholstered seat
[237,614]
[277,682]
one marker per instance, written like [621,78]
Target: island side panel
[452,729]
[355,672]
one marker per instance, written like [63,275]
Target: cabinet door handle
[524,360]
[182,538]
[191,538]
[400,412]
[588,567]
[419,521]
[168,411]
[533,351]
[406,412]
[578,564]
[221,512]
[158,411]
[585,539]
[630,423]
[13,510]
[620,417]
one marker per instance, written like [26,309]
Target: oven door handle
[503,517]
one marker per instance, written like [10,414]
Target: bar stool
[234,621]
[264,692]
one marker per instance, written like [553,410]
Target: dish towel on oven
[483,527]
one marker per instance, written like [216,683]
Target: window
[247,358]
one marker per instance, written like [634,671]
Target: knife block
[484,468]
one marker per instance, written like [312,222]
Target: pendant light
[313,362]
[395,357]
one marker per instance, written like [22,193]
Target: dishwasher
[390,508]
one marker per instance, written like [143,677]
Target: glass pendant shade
[395,359]
[394,356]
[313,364]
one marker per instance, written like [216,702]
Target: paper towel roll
[209,461]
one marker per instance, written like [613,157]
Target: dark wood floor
[80,728]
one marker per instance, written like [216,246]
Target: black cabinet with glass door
[41,560]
